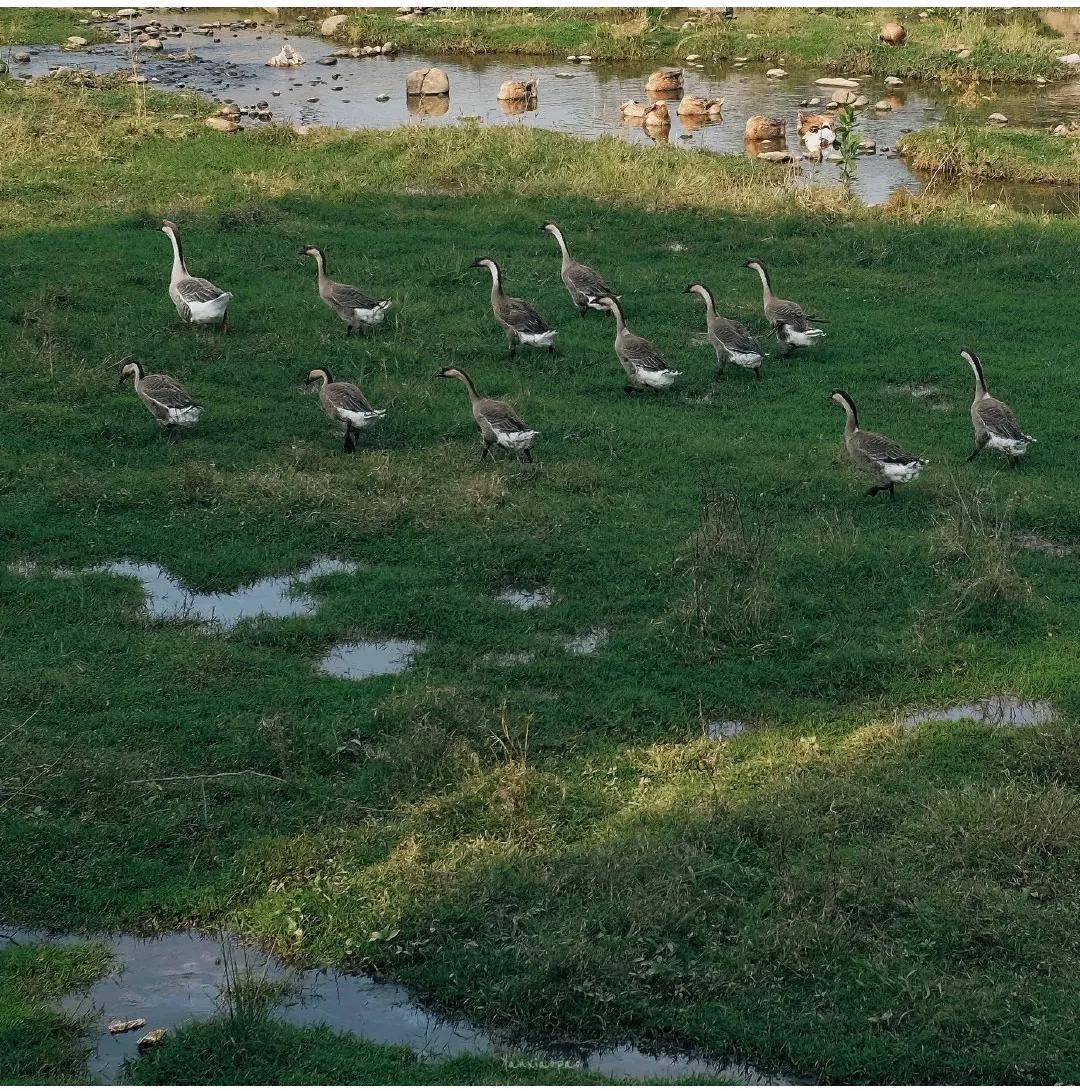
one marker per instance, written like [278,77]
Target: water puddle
[725,729]
[581,99]
[586,643]
[1038,544]
[520,599]
[177,978]
[369,658]
[1000,711]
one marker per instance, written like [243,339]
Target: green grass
[1005,45]
[1016,155]
[553,846]
[270,1052]
[39,1044]
[44,26]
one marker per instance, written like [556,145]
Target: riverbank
[1002,46]
[682,800]
[1015,155]
[46,26]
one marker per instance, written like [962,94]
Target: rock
[74,42]
[963,54]
[892,33]
[518,91]
[329,62]
[665,79]
[127,13]
[741,60]
[22,57]
[287,58]
[775,157]
[834,157]
[122,1026]
[1062,130]
[868,147]
[154,44]
[1000,119]
[427,81]
[893,81]
[152,1040]
[844,98]
[585,58]
[383,97]
[389,48]
[572,58]
[1070,58]
[329,27]
[836,81]
[692,57]
[302,130]
[776,73]
[179,117]
[882,104]
[813,102]
[221,124]
[860,102]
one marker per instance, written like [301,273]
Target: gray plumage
[520,320]
[732,342]
[879,457]
[994,422]
[498,422]
[584,283]
[166,400]
[355,308]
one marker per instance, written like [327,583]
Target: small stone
[813,102]
[179,117]
[834,157]
[221,124]
[963,54]
[1070,58]
[314,98]
[152,1040]
[860,102]
[775,157]
[1061,130]
[389,48]
[868,147]
[127,13]
[882,104]
[572,58]
[893,81]
[427,81]
[690,58]
[22,57]
[383,97]
[74,42]
[122,1026]
[843,98]
[741,60]
[776,73]
[836,81]
[329,62]
[1000,119]
[154,44]
[585,58]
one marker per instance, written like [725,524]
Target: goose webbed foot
[874,490]
[974,454]
[757,374]
[1013,461]
[350,441]
[225,323]
[485,452]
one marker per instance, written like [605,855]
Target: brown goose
[584,284]
[881,458]
[789,321]
[197,301]
[358,311]
[344,403]
[519,319]
[995,424]
[499,425]
[641,360]
[733,342]
[166,400]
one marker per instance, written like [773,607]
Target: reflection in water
[999,711]
[177,978]
[369,658]
[428,105]
[527,600]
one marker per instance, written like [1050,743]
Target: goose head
[753,263]
[492,267]
[170,228]
[846,402]
[131,369]
[309,252]
[552,229]
[697,289]
[976,365]
[318,375]
[450,373]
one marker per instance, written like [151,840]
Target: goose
[733,342]
[644,366]
[359,312]
[789,321]
[877,455]
[197,301]
[760,127]
[584,284]
[167,401]
[518,317]
[499,425]
[995,424]
[344,403]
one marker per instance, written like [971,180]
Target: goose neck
[179,269]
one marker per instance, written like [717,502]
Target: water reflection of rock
[510,107]
[755,148]
[427,105]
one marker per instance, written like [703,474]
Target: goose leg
[976,452]
[225,321]
[485,452]
[350,440]
[874,490]
[526,455]
[892,491]
[1013,461]
[757,373]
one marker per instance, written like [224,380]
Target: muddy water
[581,99]
[998,711]
[178,978]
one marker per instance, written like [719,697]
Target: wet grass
[1005,45]
[554,845]
[1014,155]
[39,1044]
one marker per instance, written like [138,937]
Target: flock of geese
[887,463]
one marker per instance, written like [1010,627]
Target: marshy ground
[553,842]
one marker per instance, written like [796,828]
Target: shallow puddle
[999,711]
[369,658]
[1038,544]
[520,599]
[586,643]
[582,99]
[272,597]
[725,729]
[179,977]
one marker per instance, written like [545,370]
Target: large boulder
[892,33]
[329,27]
[221,123]
[427,81]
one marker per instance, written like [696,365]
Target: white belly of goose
[515,441]
[1014,447]
[540,340]
[899,473]
[358,418]
[208,313]
[372,316]
[185,417]
[658,380]
[805,338]
[745,359]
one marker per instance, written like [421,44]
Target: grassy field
[1017,155]
[1004,45]
[44,26]
[553,844]
[37,1043]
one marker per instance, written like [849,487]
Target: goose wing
[783,312]
[523,316]
[197,290]
[349,397]
[344,297]
[588,281]
[998,419]
[879,448]
[733,335]
[501,416]
[166,391]
[642,354]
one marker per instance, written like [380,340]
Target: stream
[179,977]
[580,99]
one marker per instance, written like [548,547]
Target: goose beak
[688,288]
[302,252]
[475,264]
